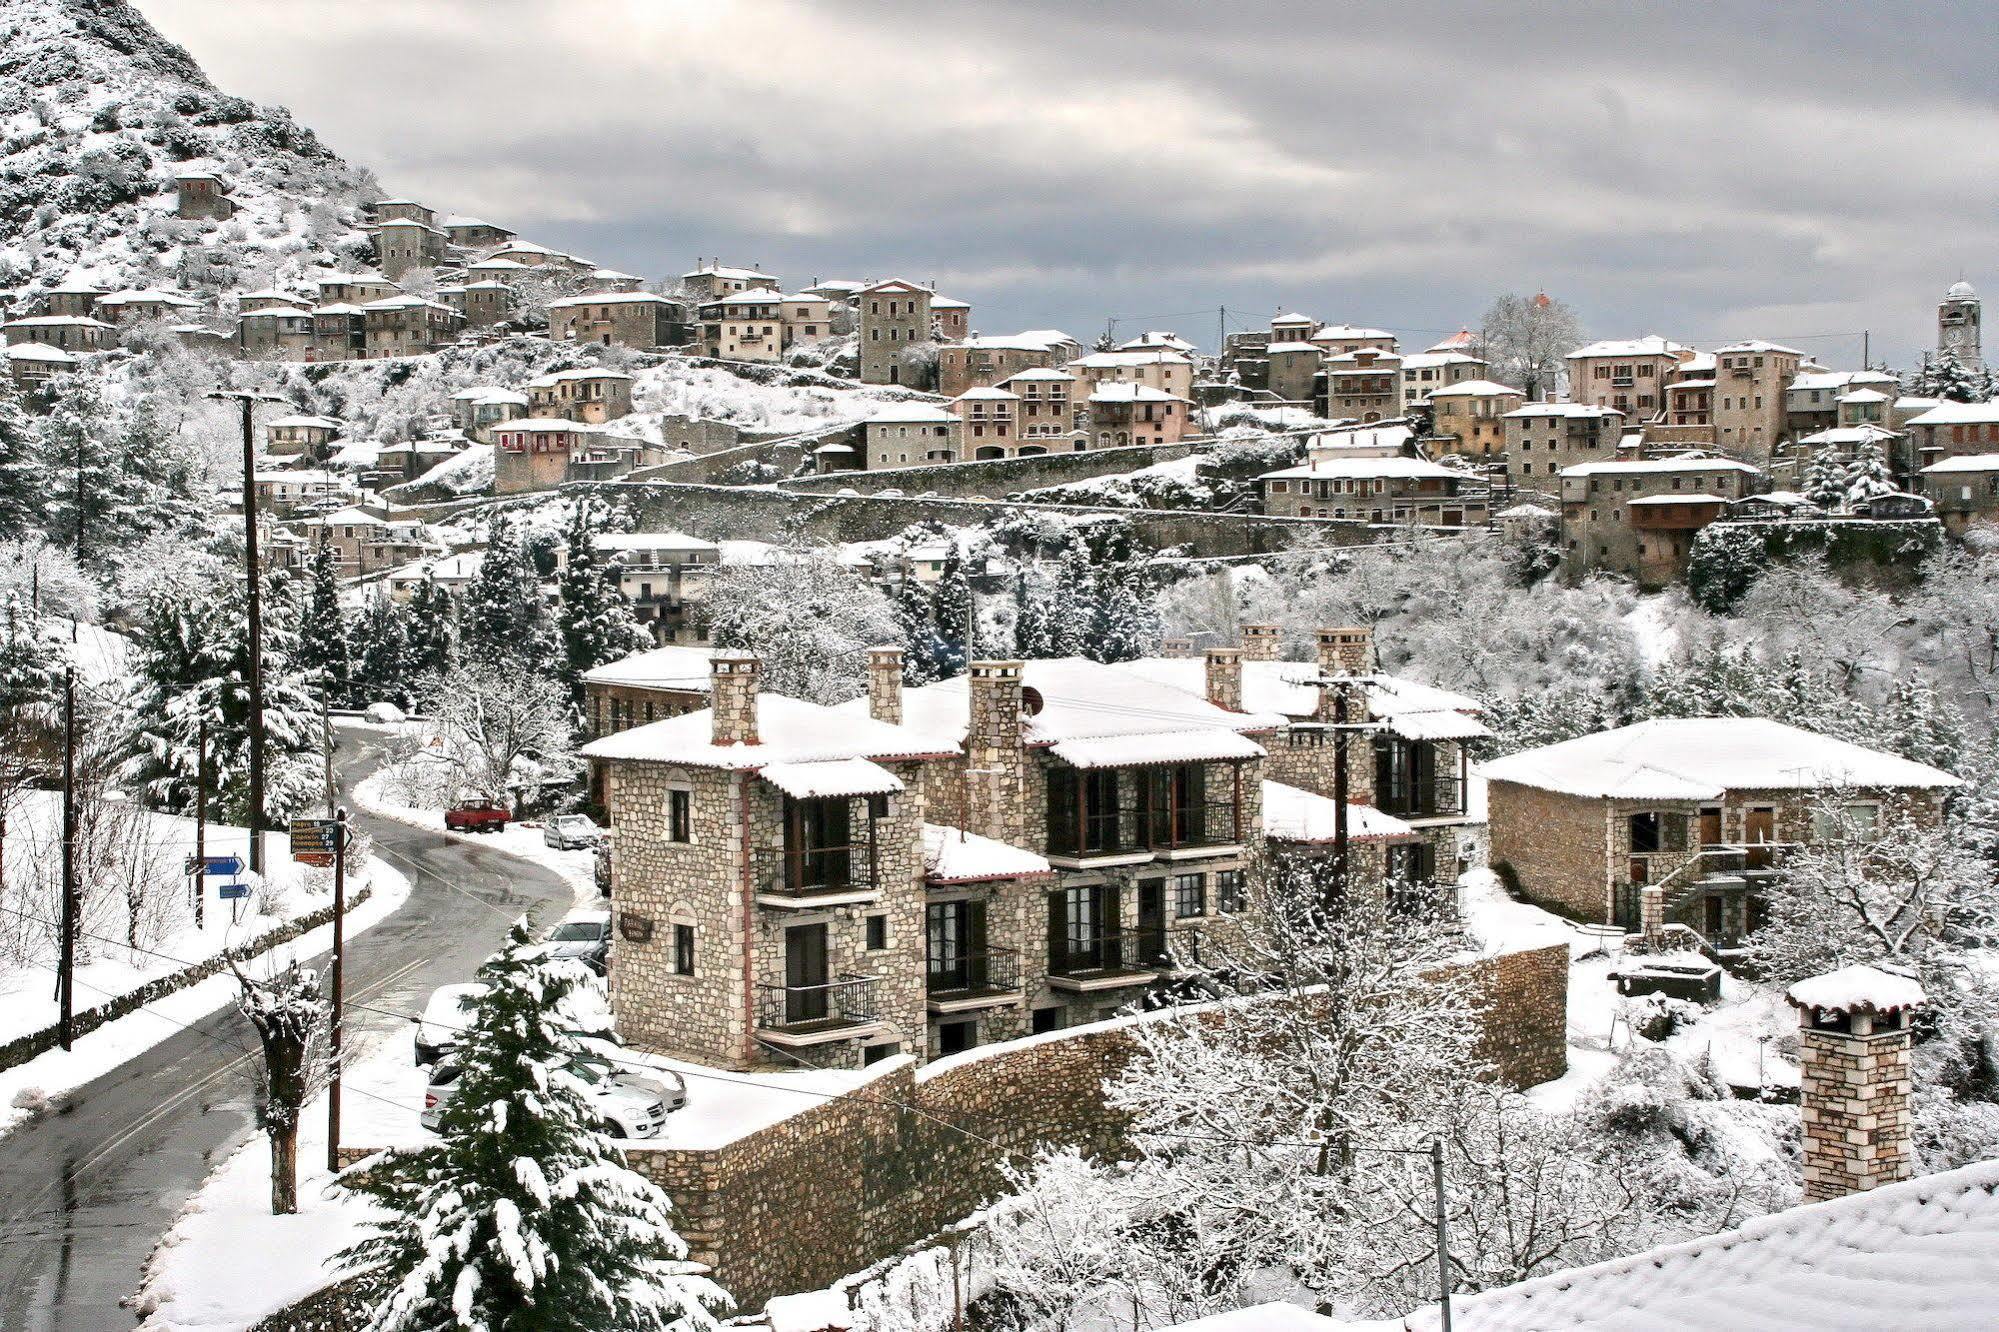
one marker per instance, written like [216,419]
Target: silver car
[571,832]
[627,1104]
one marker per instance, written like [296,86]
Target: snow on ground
[466,473]
[1655,622]
[52,1074]
[521,838]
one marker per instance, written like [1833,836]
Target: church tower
[1957,326]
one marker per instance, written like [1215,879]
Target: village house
[203,196]
[1374,490]
[1469,418]
[1286,329]
[291,436]
[1639,517]
[481,304]
[405,243]
[363,542]
[951,317]
[452,573]
[894,318]
[1426,372]
[475,411]
[74,296]
[471,233]
[408,326]
[1120,414]
[508,271]
[409,460]
[665,576]
[1365,384]
[1964,490]
[276,333]
[592,396]
[530,255]
[401,210]
[641,320]
[289,492]
[133,306]
[809,318]
[533,452]
[983,360]
[1294,371]
[1690,400]
[1159,340]
[744,326]
[1542,438]
[1700,810]
[1170,372]
[1047,410]
[1812,401]
[354,288]
[840,291]
[643,688]
[1342,339]
[31,365]
[910,434]
[710,280]
[69,333]
[1951,430]
[1841,443]
[339,333]
[1628,375]
[1751,381]
[988,419]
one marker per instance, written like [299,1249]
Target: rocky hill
[99,112]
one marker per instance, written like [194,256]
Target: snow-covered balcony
[1167,811]
[804,1012]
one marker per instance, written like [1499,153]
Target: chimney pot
[734,681]
[996,753]
[1225,677]
[1346,651]
[885,684]
[1260,642]
[1853,1065]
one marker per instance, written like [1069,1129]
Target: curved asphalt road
[87,1190]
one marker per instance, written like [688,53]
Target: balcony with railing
[1089,961]
[808,1014]
[1439,795]
[1169,813]
[830,856]
[956,982]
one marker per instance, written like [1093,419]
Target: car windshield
[576,931]
[589,1073]
[450,1006]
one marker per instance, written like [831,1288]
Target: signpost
[215,867]
[233,892]
[324,842]
[316,841]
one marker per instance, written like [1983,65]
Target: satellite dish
[1031,701]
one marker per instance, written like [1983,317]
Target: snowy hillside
[98,113]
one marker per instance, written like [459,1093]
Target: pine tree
[323,649]
[1031,627]
[1073,608]
[1123,627]
[596,621]
[1867,475]
[1918,725]
[503,619]
[951,607]
[23,484]
[524,1215]
[31,660]
[381,654]
[1944,377]
[1825,481]
[925,655]
[84,488]
[431,629]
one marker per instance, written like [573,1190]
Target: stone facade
[1751,383]
[894,317]
[201,196]
[1639,518]
[1854,1094]
[637,319]
[1543,438]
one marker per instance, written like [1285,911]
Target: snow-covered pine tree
[1072,610]
[431,629]
[925,654]
[381,654]
[1867,474]
[31,659]
[1825,480]
[524,1215]
[503,619]
[1918,725]
[1944,377]
[23,483]
[83,486]
[324,654]
[1125,626]
[951,608]
[595,619]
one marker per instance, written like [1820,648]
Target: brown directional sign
[314,841]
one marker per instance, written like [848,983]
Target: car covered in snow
[570,832]
[583,934]
[448,1012]
[477,815]
[629,1103]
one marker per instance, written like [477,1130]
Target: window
[1189,895]
[1047,1020]
[683,950]
[1857,821]
[678,820]
[877,927]
[1229,895]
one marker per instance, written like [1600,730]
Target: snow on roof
[831,777]
[681,668]
[1040,373]
[791,730]
[289,312]
[148,295]
[1409,469]
[1343,332]
[987,395]
[1458,341]
[1391,437]
[1832,379]
[907,412]
[1526,511]
[541,425]
[952,855]
[1705,382]
[1698,758]
[1691,497]
[1970,462]
[949,303]
[1476,388]
[348,517]
[1865,395]
[1033,339]
[388,303]
[451,569]
[1854,434]
[1913,1254]
[1125,751]
[1649,345]
[1293,318]
[573,376]
[1146,356]
[610,298]
[1564,409]
[1433,360]
[1292,815]
[1757,345]
[1859,988]
[1132,393]
[503,265]
[57,321]
[1279,348]
[305,422]
[1642,466]
[1157,338]
[651,541]
[39,351]
[754,296]
[1958,413]
[1366,357]
[718,270]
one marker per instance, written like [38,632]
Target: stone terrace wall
[996,478]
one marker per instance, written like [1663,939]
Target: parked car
[477,816]
[583,934]
[569,832]
[628,1103]
[445,1016]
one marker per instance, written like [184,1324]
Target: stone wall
[996,478]
[1552,847]
[1855,1094]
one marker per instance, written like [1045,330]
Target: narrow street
[86,1191]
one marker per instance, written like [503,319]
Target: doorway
[805,973]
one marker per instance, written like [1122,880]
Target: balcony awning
[1132,751]
[831,777]
[1436,726]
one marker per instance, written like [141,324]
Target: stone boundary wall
[784,454]
[23,1048]
[996,478]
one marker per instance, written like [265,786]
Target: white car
[627,1103]
[569,832]
[445,1017]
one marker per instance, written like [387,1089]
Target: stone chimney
[733,678]
[996,753]
[1853,1064]
[1346,651]
[1225,678]
[1260,642]
[885,684]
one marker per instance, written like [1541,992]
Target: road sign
[223,867]
[314,841]
[231,892]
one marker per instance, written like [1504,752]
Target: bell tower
[1958,319]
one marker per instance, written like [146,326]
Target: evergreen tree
[23,483]
[524,1215]
[1031,626]
[323,649]
[925,655]
[1918,725]
[1867,475]
[1072,611]
[1123,625]
[597,623]
[503,619]
[83,483]
[1825,481]
[32,655]
[1944,377]
[951,606]
[381,654]
[431,629]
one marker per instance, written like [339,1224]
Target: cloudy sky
[1708,171]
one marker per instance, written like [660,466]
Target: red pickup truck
[477,816]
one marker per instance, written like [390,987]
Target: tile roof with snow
[1699,758]
[1576,409]
[1757,345]
[40,351]
[1346,332]
[1643,466]
[1148,356]
[1042,374]
[1969,462]
[721,271]
[1434,360]
[1832,379]
[1475,388]
[952,855]
[904,413]
[1649,345]
[1033,339]
[1398,468]
[1280,348]
[986,395]
[57,321]
[1865,395]
[1859,988]
[610,298]
[674,667]
[1292,815]
[1958,413]
[1132,393]
[792,731]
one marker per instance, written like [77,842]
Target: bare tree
[290,1016]
[502,728]
[1526,338]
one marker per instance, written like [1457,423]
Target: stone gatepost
[996,754]
[1652,913]
[885,684]
[1225,677]
[1260,642]
[1853,1062]
[734,680]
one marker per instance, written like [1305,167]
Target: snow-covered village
[641,688]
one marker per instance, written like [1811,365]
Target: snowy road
[86,1190]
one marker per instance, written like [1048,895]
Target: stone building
[808,317]
[709,280]
[1425,372]
[641,320]
[911,434]
[276,333]
[1290,329]
[69,333]
[1628,375]
[1703,809]
[1964,490]
[638,690]
[744,326]
[31,365]
[482,304]
[665,575]
[1959,332]
[1364,384]
[592,396]
[1375,490]
[1812,400]
[408,326]
[1293,368]
[1952,430]
[1751,380]
[339,333]
[136,305]
[952,317]
[1120,414]
[1542,438]
[894,318]
[1340,339]
[1639,517]
[1163,369]
[981,361]
[353,288]
[406,243]
[533,453]
[74,296]
[1468,418]
[471,233]
[988,419]
[293,436]
[203,196]
[1047,411]
[363,541]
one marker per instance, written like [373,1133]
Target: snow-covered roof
[904,413]
[1458,341]
[952,855]
[719,270]
[1157,338]
[1647,466]
[1832,379]
[1526,511]
[1913,1254]
[1367,358]
[305,422]
[1849,435]
[1649,345]
[1969,462]
[40,351]
[1040,374]
[651,541]
[1292,318]
[56,321]
[754,296]
[1292,815]
[497,265]
[1033,339]
[1377,437]
[390,303]
[575,376]
[348,517]
[337,308]
[1400,468]
[1704,382]
[819,778]
[610,298]
[1280,348]
[1146,356]
[1859,988]
[949,303]
[1757,345]
[987,395]
[1436,360]
[149,296]
[791,730]
[450,569]
[1698,758]
[1127,751]
[1865,395]
[681,668]
[1688,497]
[542,425]
[1958,413]
[1132,393]
[1563,409]
[1346,332]
[1476,388]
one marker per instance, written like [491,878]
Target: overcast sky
[1707,171]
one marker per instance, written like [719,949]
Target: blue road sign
[223,867]
[231,892]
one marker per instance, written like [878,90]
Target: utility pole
[326,744]
[1340,790]
[1866,339]
[1443,1239]
[200,819]
[254,614]
[66,971]
[339,991]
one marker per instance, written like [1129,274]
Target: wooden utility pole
[66,969]
[200,819]
[1443,1238]
[1340,789]
[254,615]
[339,992]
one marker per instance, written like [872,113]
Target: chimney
[1260,642]
[885,684]
[996,753]
[1853,1064]
[733,680]
[1347,651]
[1225,677]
